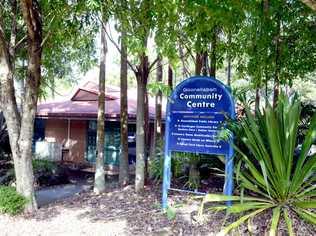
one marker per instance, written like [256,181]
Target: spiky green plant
[270,174]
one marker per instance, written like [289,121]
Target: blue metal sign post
[195,112]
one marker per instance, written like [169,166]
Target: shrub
[270,174]
[44,166]
[48,173]
[11,202]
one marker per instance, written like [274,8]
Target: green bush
[45,166]
[11,202]
[272,176]
[156,165]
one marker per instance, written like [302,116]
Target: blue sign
[196,111]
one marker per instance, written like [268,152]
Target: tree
[158,107]
[136,19]
[124,166]
[99,177]
[275,43]
[25,36]
[20,125]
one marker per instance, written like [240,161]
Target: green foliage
[270,171]
[171,213]
[156,168]
[68,46]
[155,87]
[308,110]
[276,37]
[156,165]
[10,201]
[43,166]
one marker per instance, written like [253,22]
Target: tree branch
[4,44]
[49,32]
[310,3]
[20,43]
[115,44]
[164,64]
[13,30]
[153,63]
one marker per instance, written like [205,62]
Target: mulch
[143,215]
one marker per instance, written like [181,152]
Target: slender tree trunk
[194,174]
[158,109]
[142,78]
[99,178]
[170,77]
[124,167]
[229,60]
[266,22]
[276,86]
[147,134]
[205,68]
[198,63]
[140,137]
[182,58]
[266,91]
[257,99]
[213,53]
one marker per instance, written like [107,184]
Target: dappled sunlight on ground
[116,212]
[123,212]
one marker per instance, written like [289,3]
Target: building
[66,130]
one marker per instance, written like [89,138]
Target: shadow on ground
[129,213]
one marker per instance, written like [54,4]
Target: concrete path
[53,194]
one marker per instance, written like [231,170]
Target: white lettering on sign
[200,104]
[211,96]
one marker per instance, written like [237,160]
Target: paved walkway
[53,194]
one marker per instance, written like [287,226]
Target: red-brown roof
[84,104]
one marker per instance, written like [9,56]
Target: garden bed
[122,212]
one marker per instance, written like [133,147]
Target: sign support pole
[167,166]
[229,174]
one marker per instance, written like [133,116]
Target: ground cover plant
[270,176]
[11,202]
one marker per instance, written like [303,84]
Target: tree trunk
[99,178]
[205,68]
[266,22]
[266,92]
[229,60]
[257,100]
[170,77]
[124,168]
[198,63]
[194,174]
[147,133]
[142,78]
[213,53]
[25,181]
[276,86]
[21,127]
[182,58]
[158,111]
[140,137]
